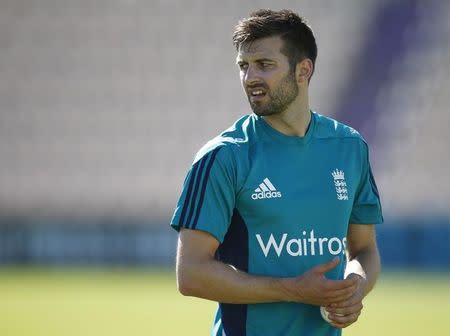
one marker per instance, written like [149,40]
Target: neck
[293,121]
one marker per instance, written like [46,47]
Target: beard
[279,100]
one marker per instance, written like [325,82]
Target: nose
[251,76]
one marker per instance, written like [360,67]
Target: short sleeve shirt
[279,205]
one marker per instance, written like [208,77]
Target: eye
[243,66]
[265,65]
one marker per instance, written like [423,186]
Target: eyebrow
[238,60]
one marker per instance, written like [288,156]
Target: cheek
[241,77]
[271,78]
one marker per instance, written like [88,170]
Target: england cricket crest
[340,185]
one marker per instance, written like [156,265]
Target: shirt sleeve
[208,196]
[367,205]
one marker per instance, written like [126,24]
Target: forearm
[365,263]
[199,274]
[214,280]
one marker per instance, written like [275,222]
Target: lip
[256,88]
[256,98]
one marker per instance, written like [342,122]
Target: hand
[312,287]
[344,313]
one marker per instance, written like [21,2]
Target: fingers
[331,295]
[323,268]
[340,321]
[342,284]
[341,296]
[351,309]
[312,287]
[343,314]
[349,302]
[337,289]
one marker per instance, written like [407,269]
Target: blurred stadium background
[103,104]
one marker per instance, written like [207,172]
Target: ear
[303,71]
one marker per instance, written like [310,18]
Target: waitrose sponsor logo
[305,245]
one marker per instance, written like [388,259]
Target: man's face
[266,76]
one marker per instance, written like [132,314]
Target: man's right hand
[312,287]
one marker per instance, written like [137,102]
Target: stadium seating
[104,103]
[411,148]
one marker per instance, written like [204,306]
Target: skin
[363,264]
[200,275]
[263,66]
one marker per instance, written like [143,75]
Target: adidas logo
[266,190]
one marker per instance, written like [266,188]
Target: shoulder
[329,128]
[232,142]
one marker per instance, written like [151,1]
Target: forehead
[268,47]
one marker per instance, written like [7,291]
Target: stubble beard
[280,99]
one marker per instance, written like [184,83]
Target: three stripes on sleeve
[195,194]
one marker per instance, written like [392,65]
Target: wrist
[284,288]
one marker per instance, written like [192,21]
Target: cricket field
[124,301]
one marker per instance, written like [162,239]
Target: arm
[363,264]
[200,275]
[363,255]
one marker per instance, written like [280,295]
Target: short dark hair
[298,37]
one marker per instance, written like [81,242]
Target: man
[276,215]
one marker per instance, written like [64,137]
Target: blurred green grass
[110,302]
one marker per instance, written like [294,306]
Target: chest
[313,184]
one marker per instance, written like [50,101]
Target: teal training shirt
[279,205]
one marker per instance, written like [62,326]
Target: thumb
[323,268]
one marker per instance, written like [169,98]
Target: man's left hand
[343,314]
